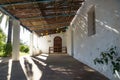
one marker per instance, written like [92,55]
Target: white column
[16,40]
[31,44]
[34,46]
[38,44]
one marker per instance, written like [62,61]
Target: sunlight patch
[9,69]
[42,57]
[30,69]
[117,74]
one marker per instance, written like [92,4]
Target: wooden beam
[10,15]
[31,2]
[25,27]
[37,17]
[49,24]
[6,12]
[25,2]
[43,29]
[43,8]
[51,31]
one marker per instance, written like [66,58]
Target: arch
[57,44]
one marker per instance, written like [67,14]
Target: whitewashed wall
[48,41]
[86,49]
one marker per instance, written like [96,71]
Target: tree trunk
[9,31]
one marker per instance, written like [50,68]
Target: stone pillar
[31,44]
[16,40]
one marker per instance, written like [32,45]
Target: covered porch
[84,29]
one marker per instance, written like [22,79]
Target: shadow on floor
[64,67]
[11,70]
[53,67]
[17,71]
[3,69]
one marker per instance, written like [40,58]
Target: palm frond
[6,21]
[1,17]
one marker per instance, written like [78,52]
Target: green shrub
[7,49]
[2,36]
[24,48]
[2,40]
[2,46]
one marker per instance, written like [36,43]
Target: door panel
[57,44]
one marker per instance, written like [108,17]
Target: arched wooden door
[57,44]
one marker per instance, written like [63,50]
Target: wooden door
[57,44]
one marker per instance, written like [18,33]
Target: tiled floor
[44,67]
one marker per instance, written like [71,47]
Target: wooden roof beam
[6,12]
[49,32]
[43,29]
[75,7]
[10,15]
[43,8]
[35,28]
[37,17]
[49,24]
[25,2]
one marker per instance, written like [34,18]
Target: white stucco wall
[107,22]
[48,41]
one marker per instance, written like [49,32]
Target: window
[91,21]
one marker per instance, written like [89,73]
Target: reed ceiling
[43,16]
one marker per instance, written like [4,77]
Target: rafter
[49,24]
[31,2]
[51,31]
[37,17]
[50,28]
[10,15]
[24,3]
[6,12]
[43,8]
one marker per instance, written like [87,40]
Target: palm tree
[9,23]
[9,31]
[8,46]
[1,17]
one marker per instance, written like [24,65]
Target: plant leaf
[106,60]
[110,56]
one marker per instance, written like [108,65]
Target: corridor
[48,67]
